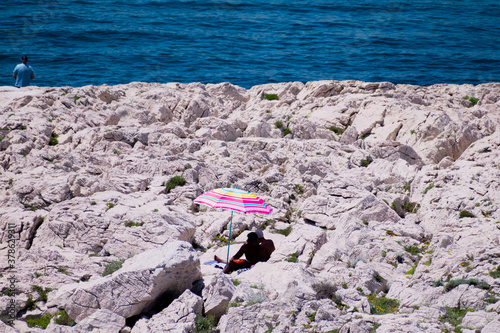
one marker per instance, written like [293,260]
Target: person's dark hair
[24,58]
[252,236]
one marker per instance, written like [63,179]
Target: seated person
[252,251]
[267,246]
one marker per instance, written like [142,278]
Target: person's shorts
[239,264]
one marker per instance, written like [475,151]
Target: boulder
[137,285]
[178,317]
[217,294]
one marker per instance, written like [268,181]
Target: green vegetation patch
[62,318]
[42,321]
[285,231]
[336,130]
[113,267]
[428,188]
[133,224]
[465,213]
[53,139]
[278,124]
[454,316]
[174,182]
[496,273]
[382,305]
[474,282]
[205,324]
[42,292]
[415,249]
[294,257]
[366,162]
[270,97]
[473,100]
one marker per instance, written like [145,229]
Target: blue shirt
[23,73]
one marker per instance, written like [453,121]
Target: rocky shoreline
[386,207]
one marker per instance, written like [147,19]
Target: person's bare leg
[229,268]
[219,260]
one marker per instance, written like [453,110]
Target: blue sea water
[82,42]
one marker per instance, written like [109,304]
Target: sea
[251,42]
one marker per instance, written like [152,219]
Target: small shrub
[437,283]
[414,249]
[473,100]
[366,162]
[344,285]
[294,257]
[42,292]
[336,130]
[382,305]
[496,273]
[204,324]
[76,98]
[62,318]
[93,203]
[465,213]
[324,290]
[116,151]
[53,139]
[236,282]
[270,97]
[42,321]
[174,182]
[476,283]
[133,224]
[30,303]
[278,124]
[410,207]
[454,316]
[287,131]
[113,267]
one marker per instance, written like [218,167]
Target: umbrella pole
[229,243]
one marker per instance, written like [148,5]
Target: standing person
[23,73]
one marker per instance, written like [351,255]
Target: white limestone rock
[217,294]
[178,317]
[130,290]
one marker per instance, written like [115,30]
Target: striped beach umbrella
[235,200]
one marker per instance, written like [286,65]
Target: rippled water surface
[247,43]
